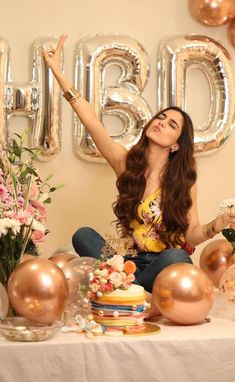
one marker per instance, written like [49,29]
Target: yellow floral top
[145,234]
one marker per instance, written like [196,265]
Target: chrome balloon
[47,127]
[4,73]
[95,56]
[176,55]
[39,99]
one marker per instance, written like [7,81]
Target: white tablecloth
[199,353]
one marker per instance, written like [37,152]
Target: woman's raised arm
[198,233]
[113,152]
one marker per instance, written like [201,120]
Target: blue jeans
[87,242]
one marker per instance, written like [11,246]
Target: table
[199,353]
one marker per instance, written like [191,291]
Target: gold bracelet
[72,95]
[209,230]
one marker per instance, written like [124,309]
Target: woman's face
[166,128]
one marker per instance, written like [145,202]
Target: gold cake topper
[119,245]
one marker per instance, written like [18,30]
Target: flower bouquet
[228,233]
[23,196]
[111,272]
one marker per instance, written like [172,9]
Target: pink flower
[3,193]
[22,216]
[130,278]
[40,207]
[38,236]
[109,287]
[33,191]
[117,262]
[102,288]
[21,201]
[126,285]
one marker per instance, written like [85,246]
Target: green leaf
[33,152]
[16,148]
[57,187]
[48,200]
[48,177]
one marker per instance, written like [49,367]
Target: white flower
[37,226]
[101,272]
[117,262]
[116,279]
[6,224]
[94,287]
[226,203]
[103,281]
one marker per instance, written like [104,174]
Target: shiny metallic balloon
[215,258]
[183,293]
[176,55]
[231,32]
[78,273]
[227,285]
[66,248]
[38,290]
[4,77]
[4,302]
[61,259]
[47,127]
[39,99]
[96,57]
[212,12]
[26,257]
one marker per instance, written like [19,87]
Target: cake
[121,308]
[117,303]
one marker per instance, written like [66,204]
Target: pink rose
[33,191]
[22,216]
[38,236]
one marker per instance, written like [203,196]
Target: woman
[156,181]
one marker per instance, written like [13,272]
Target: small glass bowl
[22,329]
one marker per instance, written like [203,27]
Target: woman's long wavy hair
[177,179]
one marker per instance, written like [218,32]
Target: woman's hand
[229,217]
[52,57]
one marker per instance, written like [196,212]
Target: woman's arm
[198,233]
[114,153]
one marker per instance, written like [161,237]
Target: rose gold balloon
[61,259]
[231,32]
[4,302]
[26,257]
[183,293]
[215,259]
[212,12]
[227,285]
[38,290]
[232,260]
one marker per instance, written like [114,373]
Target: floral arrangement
[227,203]
[23,196]
[228,233]
[111,274]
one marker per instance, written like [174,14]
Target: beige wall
[79,202]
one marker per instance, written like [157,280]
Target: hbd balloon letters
[40,98]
